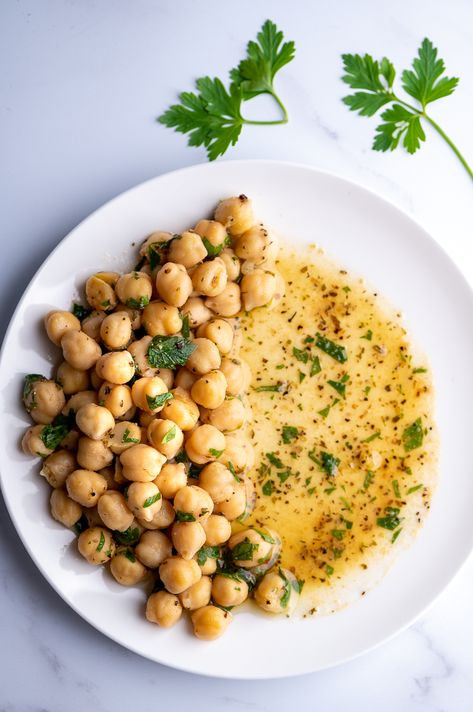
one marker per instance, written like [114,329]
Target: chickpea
[251,547]
[197,595]
[210,622]
[205,358]
[116,367]
[210,278]
[220,332]
[63,509]
[95,421]
[235,214]
[139,350]
[181,410]
[79,350]
[187,249]
[124,436]
[144,499]
[187,538]
[109,474]
[193,501]
[162,519]
[209,390]
[93,454]
[92,323]
[205,444]
[150,394]
[239,452]
[217,529]
[165,436]
[228,302]
[96,545]
[126,569]
[213,232]
[233,507]
[230,415]
[177,574]
[116,398]
[58,322]
[209,566]
[184,379]
[77,400]
[153,548]
[32,443]
[161,319]
[115,331]
[58,466]
[196,312]
[237,374]
[99,291]
[218,481]
[278,591]
[173,284]
[163,608]
[155,243]
[43,399]
[141,463]
[133,313]
[256,244]
[85,487]
[171,479]
[114,511]
[232,264]
[134,289]
[229,591]
[257,289]
[71,379]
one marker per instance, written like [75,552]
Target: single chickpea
[213,233]
[162,519]
[32,443]
[209,566]
[126,569]
[71,379]
[116,367]
[58,322]
[134,289]
[232,264]
[205,358]
[144,499]
[77,400]
[165,436]
[257,289]
[195,311]
[85,487]
[141,463]
[235,506]
[133,313]
[153,548]
[173,284]
[256,244]
[63,509]
[209,390]
[95,421]
[187,538]
[205,444]
[251,547]
[177,574]
[227,303]
[278,591]
[92,323]
[220,332]
[237,374]
[238,451]
[229,591]
[156,244]
[79,350]
[210,622]
[197,595]
[171,479]
[210,278]
[96,545]
[138,350]
[93,454]
[150,394]
[163,608]
[58,466]
[235,214]
[116,398]
[218,481]
[193,504]
[100,291]
[184,379]
[229,416]
[43,399]
[160,319]
[187,249]
[181,410]
[114,511]
[124,435]
[115,331]
[217,529]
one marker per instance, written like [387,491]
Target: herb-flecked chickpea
[217,529]
[64,509]
[174,284]
[162,519]
[209,566]
[144,499]
[100,291]
[220,332]
[163,608]
[91,324]
[192,501]
[71,379]
[153,548]
[235,214]
[93,454]
[251,547]
[116,367]
[43,400]
[147,394]
[218,481]
[115,331]
[95,421]
[257,289]
[58,466]
[229,416]
[210,278]
[187,538]
[124,435]
[205,358]
[171,479]
[113,510]
[141,463]
[177,574]
[277,592]
[196,312]
[197,595]
[116,398]
[181,409]
[233,507]
[166,436]
[77,400]
[32,443]
[160,319]
[86,487]
[187,250]
[185,379]
[58,322]
[228,591]
[209,390]
[158,240]
[210,622]
[256,244]
[212,231]
[204,444]
[79,350]
[227,303]
[134,289]
[232,264]
[238,451]
[96,545]
[238,375]
[126,569]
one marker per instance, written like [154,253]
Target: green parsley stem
[284,120]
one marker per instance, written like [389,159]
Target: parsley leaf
[52,434]
[207,552]
[151,500]
[129,536]
[243,551]
[391,519]
[169,351]
[413,436]
[185,517]
[126,437]
[185,326]
[79,311]
[140,303]
[159,400]
[336,351]
[289,433]
[170,435]
[423,82]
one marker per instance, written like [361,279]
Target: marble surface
[80,86]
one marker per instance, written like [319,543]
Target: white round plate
[366,235]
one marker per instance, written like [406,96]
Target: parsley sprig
[402,121]
[212,117]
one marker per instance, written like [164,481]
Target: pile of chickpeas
[150,465]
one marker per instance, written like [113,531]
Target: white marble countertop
[81,83]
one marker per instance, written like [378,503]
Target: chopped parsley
[158,401]
[126,437]
[329,570]
[340,386]
[140,303]
[215,250]
[396,490]
[372,437]
[185,516]
[79,311]
[267,488]
[338,534]
[396,534]
[336,351]
[327,462]
[215,453]
[413,436]
[129,555]
[285,598]
[244,550]
[278,387]
[101,543]
[151,500]
[169,351]
[170,435]
[315,367]
[81,525]
[231,467]
[265,536]
[369,477]
[274,460]
[52,434]
[420,370]
[300,355]
[368,336]
[129,536]
[185,326]
[414,489]
[289,433]
[391,519]
[207,552]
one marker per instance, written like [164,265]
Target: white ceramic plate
[369,237]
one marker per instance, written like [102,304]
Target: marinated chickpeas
[151,448]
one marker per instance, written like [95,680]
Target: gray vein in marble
[425,684]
